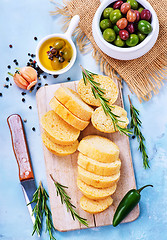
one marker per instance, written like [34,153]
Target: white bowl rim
[59,35]
[97,17]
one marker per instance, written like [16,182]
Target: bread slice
[99,148]
[111,90]
[67,116]
[58,130]
[72,101]
[95,206]
[60,150]
[95,193]
[97,181]
[103,122]
[99,168]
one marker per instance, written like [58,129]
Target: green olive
[119,42]
[133,3]
[116,29]
[140,9]
[59,44]
[107,11]
[109,35]
[105,23]
[144,27]
[115,15]
[66,53]
[141,36]
[56,65]
[132,40]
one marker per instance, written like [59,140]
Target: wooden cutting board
[64,170]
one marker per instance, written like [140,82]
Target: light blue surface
[20,21]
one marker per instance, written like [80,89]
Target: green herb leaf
[136,124]
[65,199]
[41,209]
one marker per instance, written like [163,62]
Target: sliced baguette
[111,90]
[58,130]
[67,116]
[103,122]
[95,193]
[95,206]
[99,168]
[60,150]
[99,148]
[97,181]
[73,102]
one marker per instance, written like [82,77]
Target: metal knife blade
[29,188]
[20,149]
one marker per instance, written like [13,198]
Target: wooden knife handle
[20,147]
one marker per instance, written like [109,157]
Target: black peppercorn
[61,59]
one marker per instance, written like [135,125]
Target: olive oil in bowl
[55,53]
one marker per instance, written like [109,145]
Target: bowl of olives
[125,29]
[56,53]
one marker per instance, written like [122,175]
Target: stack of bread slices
[62,125]
[98,172]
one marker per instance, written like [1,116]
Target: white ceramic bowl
[67,36]
[125,53]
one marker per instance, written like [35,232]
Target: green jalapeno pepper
[129,201]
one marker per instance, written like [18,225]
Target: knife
[20,149]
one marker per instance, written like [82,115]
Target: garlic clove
[29,73]
[20,81]
[31,84]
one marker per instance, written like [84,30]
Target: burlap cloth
[143,75]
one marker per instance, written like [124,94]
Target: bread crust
[88,146]
[95,193]
[58,130]
[73,102]
[95,206]
[57,149]
[97,181]
[67,116]
[96,167]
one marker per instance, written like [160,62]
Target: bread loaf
[104,123]
[73,102]
[60,150]
[95,206]
[97,181]
[99,148]
[99,168]
[58,130]
[111,90]
[67,116]
[95,193]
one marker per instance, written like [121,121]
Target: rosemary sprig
[136,124]
[98,93]
[41,209]
[65,199]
